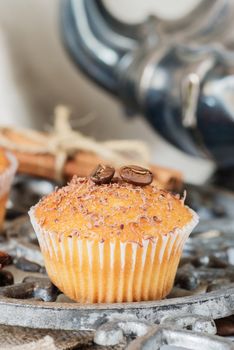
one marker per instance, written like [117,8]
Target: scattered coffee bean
[225,326]
[186,278]
[26,265]
[136,175]
[102,174]
[5,259]
[187,282]
[39,288]
[6,278]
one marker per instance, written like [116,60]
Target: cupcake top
[4,161]
[122,208]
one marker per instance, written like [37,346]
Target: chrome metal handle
[190,91]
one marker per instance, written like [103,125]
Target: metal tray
[203,286]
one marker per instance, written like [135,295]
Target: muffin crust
[104,212]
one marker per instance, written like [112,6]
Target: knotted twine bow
[64,142]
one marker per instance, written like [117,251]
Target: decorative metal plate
[203,286]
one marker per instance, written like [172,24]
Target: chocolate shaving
[169,204]
[156,219]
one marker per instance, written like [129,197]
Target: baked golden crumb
[118,209]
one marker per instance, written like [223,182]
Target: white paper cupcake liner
[112,271]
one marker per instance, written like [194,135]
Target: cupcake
[8,167]
[112,239]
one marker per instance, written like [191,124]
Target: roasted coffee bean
[136,175]
[187,282]
[6,278]
[102,174]
[26,265]
[5,259]
[225,326]
[186,278]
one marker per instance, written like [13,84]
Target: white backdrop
[36,74]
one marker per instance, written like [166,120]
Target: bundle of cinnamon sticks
[81,163]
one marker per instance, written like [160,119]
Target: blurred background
[36,74]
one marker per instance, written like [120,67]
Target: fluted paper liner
[112,271]
[6,179]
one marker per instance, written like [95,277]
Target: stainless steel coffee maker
[178,74]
